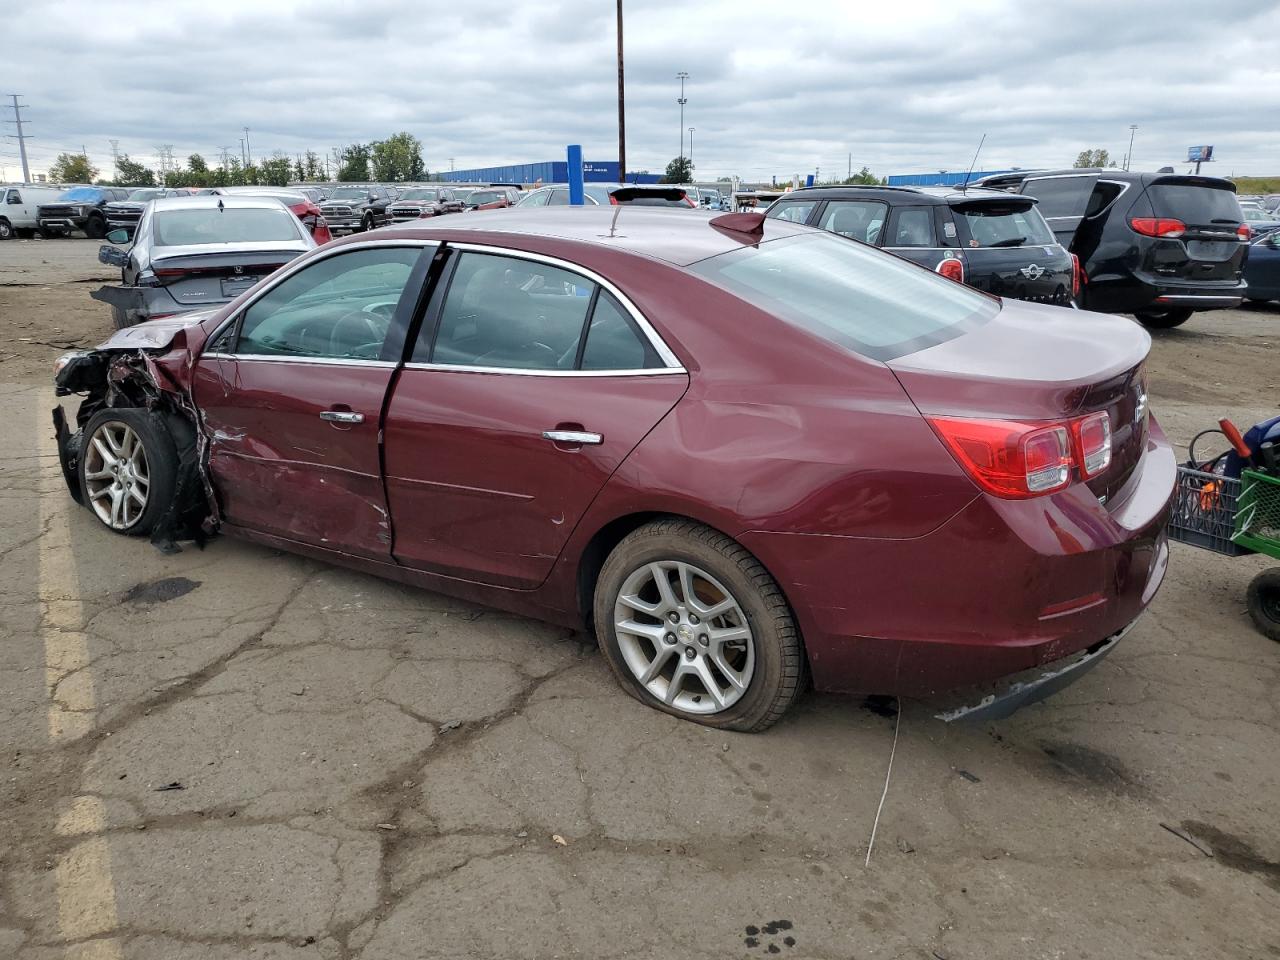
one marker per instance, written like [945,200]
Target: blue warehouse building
[949,179]
[548,171]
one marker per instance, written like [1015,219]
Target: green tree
[277,171]
[130,173]
[1094,158]
[398,159]
[312,168]
[864,176]
[354,164]
[72,168]
[679,170]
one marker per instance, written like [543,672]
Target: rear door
[1210,248]
[531,381]
[1064,198]
[291,393]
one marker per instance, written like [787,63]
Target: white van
[18,206]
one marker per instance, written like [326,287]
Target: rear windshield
[1005,225]
[853,295]
[182,228]
[1194,204]
[644,201]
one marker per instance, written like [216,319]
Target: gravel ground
[237,753]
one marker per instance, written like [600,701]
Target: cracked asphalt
[233,752]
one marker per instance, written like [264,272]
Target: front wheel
[6,229]
[368,223]
[95,228]
[128,469]
[1263,599]
[692,624]
[1164,319]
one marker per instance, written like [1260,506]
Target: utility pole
[691,154]
[682,76]
[622,114]
[248,151]
[226,156]
[242,163]
[451,164]
[1133,128]
[850,174]
[115,159]
[21,137]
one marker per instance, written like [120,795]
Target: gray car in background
[194,253]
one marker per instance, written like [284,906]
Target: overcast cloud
[900,87]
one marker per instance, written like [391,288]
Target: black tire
[161,458]
[367,223]
[780,670]
[6,229]
[25,233]
[95,228]
[1263,599]
[1164,319]
[50,233]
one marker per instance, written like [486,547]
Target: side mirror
[112,256]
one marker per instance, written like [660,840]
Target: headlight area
[66,360]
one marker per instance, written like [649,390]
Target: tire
[770,665]
[6,229]
[95,228]
[50,233]
[367,224]
[158,462]
[1164,319]
[25,233]
[1263,599]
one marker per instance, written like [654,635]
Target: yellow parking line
[85,889]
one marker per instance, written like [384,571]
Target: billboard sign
[1199,154]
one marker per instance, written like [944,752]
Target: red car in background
[745,452]
[303,207]
[490,198]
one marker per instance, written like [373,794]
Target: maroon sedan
[745,452]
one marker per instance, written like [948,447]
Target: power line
[20,136]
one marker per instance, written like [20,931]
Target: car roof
[677,236]
[913,195]
[264,192]
[229,201]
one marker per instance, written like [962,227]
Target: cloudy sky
[899,88]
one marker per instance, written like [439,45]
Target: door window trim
[671,363]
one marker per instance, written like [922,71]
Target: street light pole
[682,77]
[691,154]
[1128,159]
[622,116]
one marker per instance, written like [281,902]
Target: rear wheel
[128,469]
[1263,599]
[692,624]
[1164,319]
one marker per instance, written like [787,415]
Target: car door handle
[572,436]
[341,416]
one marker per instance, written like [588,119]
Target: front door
[291,395]
[529,385]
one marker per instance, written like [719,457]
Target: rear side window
[1004,225]
[558,198]
[856,219]
[864,300]
[1194,204]
[795,211]
[1060,196]
[614,342]
[910,227]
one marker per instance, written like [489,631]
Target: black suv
[80,208]
[1156,245]
[985,238]
[352,208]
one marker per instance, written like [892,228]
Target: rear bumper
[1142,292]
[1002,587]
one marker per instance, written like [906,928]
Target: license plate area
[232,287]
[1212,251]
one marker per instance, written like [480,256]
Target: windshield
[140,196]
[80,193]
[350,193]
[1005,225]
[1257,215]
[183,228]
[483,196]
[418,194]
[853,295]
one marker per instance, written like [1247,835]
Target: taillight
[1244,232]
[1165,227]
[1076,276]
[1015,460]
[613,201]
[952,268]
[1093,443]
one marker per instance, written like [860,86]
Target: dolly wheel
[1263,598]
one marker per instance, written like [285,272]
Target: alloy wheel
[684,637]
[117,475]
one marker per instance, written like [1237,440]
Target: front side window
[336,308]
[795,211]
[1060,196]
[862,299]
[536,199]
[856,219]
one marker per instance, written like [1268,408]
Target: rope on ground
[887,774]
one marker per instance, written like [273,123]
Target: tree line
[397,159]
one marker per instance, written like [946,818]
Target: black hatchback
[985,238]
[1159,246]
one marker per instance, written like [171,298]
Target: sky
[834,84]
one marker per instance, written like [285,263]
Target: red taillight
[1244,232]
[1077,276]
[952,268]
[613,201]
[1158,227]
[1015,460]
[1092,435]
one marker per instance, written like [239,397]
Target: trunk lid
[1033,362]
[194,275]
[1210,249]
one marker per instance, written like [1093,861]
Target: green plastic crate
[1257,523]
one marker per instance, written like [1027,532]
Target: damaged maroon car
[745,452]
